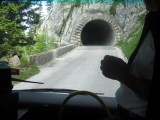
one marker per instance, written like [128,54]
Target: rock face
[15,61]
[70,24]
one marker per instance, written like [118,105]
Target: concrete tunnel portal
[97,32]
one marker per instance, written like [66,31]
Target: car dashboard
[46,105]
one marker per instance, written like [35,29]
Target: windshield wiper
[59,90]
[19,80]
[49,90]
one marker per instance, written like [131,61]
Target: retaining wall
[45,57]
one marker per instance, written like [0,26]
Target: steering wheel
[105,108]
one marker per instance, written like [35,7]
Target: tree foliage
[15,18]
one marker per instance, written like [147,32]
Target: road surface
[78,69]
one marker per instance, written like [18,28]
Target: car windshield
[59,44]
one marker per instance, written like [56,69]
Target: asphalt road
[78,69]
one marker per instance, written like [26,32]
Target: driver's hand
[114,68]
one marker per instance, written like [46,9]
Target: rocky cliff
[84,24]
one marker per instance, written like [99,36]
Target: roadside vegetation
[18,36]
[127,46]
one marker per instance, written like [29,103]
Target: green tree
[14,17]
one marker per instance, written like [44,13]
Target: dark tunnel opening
[96,32]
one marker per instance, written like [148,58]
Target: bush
[4,48]
[42,43]
[113,9]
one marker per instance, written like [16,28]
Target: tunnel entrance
[96,32]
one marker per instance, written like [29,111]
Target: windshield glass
[61,43]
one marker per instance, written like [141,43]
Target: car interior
[51,104]
[56,104]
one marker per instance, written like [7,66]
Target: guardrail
[45,57]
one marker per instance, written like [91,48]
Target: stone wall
[45,57]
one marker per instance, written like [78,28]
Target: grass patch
[27,71]
[128,47]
